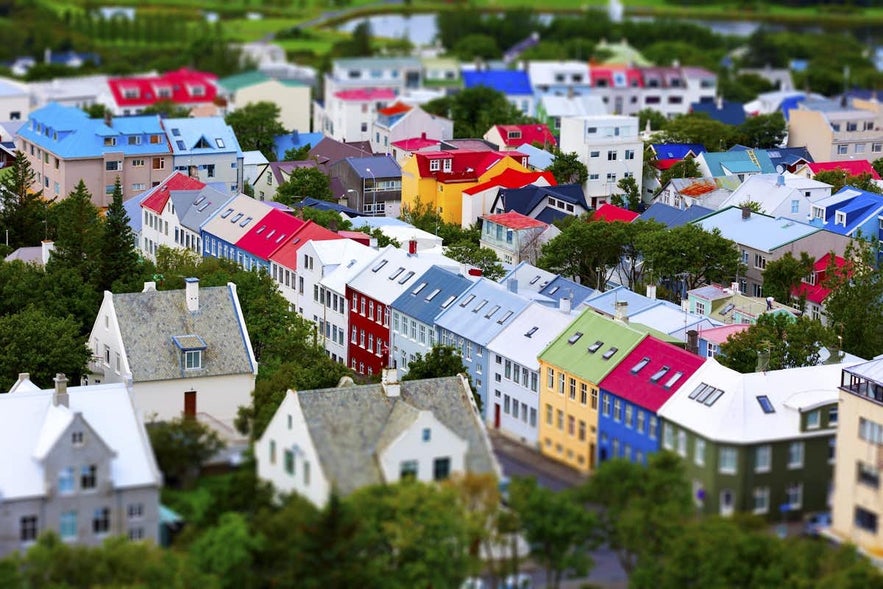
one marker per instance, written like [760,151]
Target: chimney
[651,291]
[693,342]
[474,272]
[60,396]
[47,247]
[763,360]
[149,286]
[389,380]
[108,118]
[780,180]
[191,293]
[564,305]
[412,247]
[746,213]
[512,285]
[622,311]
[423,135]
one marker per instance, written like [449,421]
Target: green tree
[78,228]
[256,126]
[440,361]
[330,220]
[119,258]
[878,166]
[790,341]
[839,178]
[42,345]
[567,169]
[304,182]
[558,527]
[166,109]
[742,88]
[181,447]
[585,249]
[297,154]
[657,120]
[686,168]
[227,552]
[699,128]
[762,131]
[96,111]
[476,46]
[470,253]
[22,210]
[855,305]
[782,277]
[631,195]
[475,110]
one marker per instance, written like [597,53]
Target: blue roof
[295,140]
[673,217]
[605,302]
[859,209]
[739,161]
[730,113]
[790,103]
[423,301]
[378,166]
[676,151]
[550,215]
[758,231]
[70,133]
[560,287]
[379,222]
[537,158]
[788,156]
[133,209]
[201,136]
[509,82]
[525,200]
[477,314]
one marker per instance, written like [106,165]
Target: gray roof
[150,320]
[205,210]
[426,304]
[349,425]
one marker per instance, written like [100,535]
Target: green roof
[592,346]
[243,80]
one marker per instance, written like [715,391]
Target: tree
[181,447]
[686,168]
[297,154]
[631,196]
[791,342]
[78,228]
[119,259]
[558,527]
[585,249]
[657,120]
[22,210]
[762,131]
[328,219]
[699,128]
[227,552]
[475,110]
[855,305]
[878,166]
[256,126]
[304,182]
[839,178]
[782,277]
[476,46]
[42,345]
[472,254]
[96,111]
[567,169]
[440,361]
[166,109]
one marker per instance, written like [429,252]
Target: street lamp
[374,192]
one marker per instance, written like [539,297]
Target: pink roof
[366,94]
[515,220]
[718,335]
[269,234]
[184,86]
[526,134]
[610,213]
[414,143]
[465,164]
[512,178]
[851,167]
[359,236]
[638,387]
[616,77]
[287,254]
[159,196]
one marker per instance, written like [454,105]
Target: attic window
[766,404]
[493,310]
[641,364]
[270,234]
[840,218]
[447,166]
[727,308]
[176,132]
[226,213]
[479,306]
[448,301]
[674,378]
[203,206]
[531,331]
[219,142]
[236,217]
[280,238]
[609,353]
[595,347]
[713,397]
[379,266]
[697,391]
[502,319]
[554,290]
[574,338]
[246,222]
[535,279]
[659,374]
[180,145]
[396,273]
[192,347]
[514,134]
[202,144]
[431,295]
[467,300]
[260,229]
[199,200]
[420,287]
[406,277]
[434,165]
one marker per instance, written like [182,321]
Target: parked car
[815,523]
[519,581]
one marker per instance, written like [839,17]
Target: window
[794,497]
[101,520]
[159,163]
[88,475]
[434,165]
[668,436]
[761,500]
[67,528]
[759,261]
[583,393]
[866,520]
[548,414]
[560,419]
[867,475]
[408,469]
[813,419]
[727,460]
[699,452]
[877,147]
[594,154]
[611,155]
[765,404]
[682,443]
[289,462]
[441,468]
[832,416]
[605,408]
[640,422]
[654,425]
[842,149]
[795,455]
[762,458]
[617,410]
[113,166]
[138,163]
[28,528]
[77,439]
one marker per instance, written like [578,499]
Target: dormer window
[447,165]
[131,93]
[434,165]
[840,218]
[197,91]
[192,348]
[514,134]
[192,359]
[164,92]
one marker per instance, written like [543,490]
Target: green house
[761,443]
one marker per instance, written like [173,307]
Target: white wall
[411,446]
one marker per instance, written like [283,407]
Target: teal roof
[738,162]
[243,80]
[577,350]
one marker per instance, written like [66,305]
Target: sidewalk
[532,458]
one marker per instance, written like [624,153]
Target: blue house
[740,162]
[544,203]
[850,212]
[515,84]
[723,111]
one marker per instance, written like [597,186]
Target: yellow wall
[559,443]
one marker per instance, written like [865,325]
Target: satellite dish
[780,169]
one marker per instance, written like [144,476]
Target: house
[37,255]
[552,108]
[553,288]
[538,159]
[729,305]
[78,91]
[77,462]
[291,96]
[438,178]
[231,222]
[608,147]
[627,89]
[352,436]
[544,203]
[414,313]
[509,137]
[780,195]
[849,167]
[400,122]
[736,162]
[268,237]
[612,213]
[631,395]
[837,130]
[372,291]
[185,88]
[812,290]
[709,193]
[673,217]
[348,114]
[15,100]
[404,149]
[761,239]
[858,416]
[478,199]
[790,158]
[373,184]
[709,340]
[515,237]
[516,371]
[784,101]
[620,87]
[161,214]
[569,78]
[761,443]
[662,157]
[850,212]
[206,148]
[329,150]
[185,352]
[514,84]
[63,146]
[441,73]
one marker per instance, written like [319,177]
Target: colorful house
[515,237]
[185,88]
[511,136]
[812,288]
[478,200]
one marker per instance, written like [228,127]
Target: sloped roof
[512,178]
[526,200]
[465,164]
[676,151]
[157,197]
[243,80]
[415,143]
[366,94]
[737,162]
[201,136]
[149,320]
[286,254]
[851,167]
[204,207]
[526,134]
[728,112]
[269,233]
[328,150]
[431,290]
[509,82]
[758,231]
[573,106]
[858,206]
[718,335]
[380,166]
[294,140]
[482,311]
[395,271]
[514,220]
[236,218]
[396,108]
[560,287]
[347,425]
[184,86]
[529,333]
[673,217]
[610,213]
[537,158]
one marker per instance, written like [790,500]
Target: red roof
[366,94]
[615,77]
[610,213]
[465,164]
[512,178]
[638,387]
[183,86]
[159,194]
[718,335]
[415,143]
[287,254]
[269,234]
[359,236]
[515,220]
[394,109]
[526,134]
[666,163]
[817,293]
[851,167]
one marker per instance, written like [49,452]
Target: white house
[399,122]
[780,195]
[354,436]
[184,351]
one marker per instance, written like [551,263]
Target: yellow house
[438,178]
[571,367]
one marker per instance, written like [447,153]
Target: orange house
[438,178]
